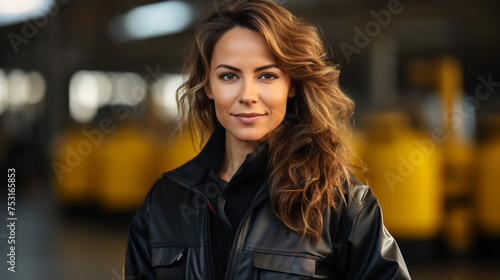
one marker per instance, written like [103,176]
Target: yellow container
[405,172]
[488,191]
[126,169]
[72,166]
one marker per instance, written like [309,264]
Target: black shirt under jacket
[230,201]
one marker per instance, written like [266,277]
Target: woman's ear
[208,91]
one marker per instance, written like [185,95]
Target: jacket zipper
[210,239]
[237,235]
[209,251]
[180,255]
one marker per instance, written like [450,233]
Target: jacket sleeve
[368,250]
[138,256]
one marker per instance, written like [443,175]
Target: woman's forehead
[241,45]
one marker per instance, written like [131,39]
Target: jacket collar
[192,174]
[212,155]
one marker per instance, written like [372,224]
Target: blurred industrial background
[87,112]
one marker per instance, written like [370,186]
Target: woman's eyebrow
[229,67]
[266,67]
[239,70]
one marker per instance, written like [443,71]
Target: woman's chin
[252,137]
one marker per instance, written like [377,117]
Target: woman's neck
[235,154]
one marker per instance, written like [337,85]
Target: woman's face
[250,92]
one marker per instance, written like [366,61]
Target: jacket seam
[177,178]
[364,206]
[173,244]
[281,253]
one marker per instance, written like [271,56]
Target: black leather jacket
[169,236]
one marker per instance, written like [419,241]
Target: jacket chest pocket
[282,267]
[169,263]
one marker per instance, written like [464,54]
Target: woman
[270,195]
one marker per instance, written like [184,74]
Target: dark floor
[52,243]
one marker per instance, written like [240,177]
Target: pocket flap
[165,256]
[285,263]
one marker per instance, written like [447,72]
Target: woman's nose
[248,94]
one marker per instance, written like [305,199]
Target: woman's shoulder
[179,180]
[359,197]
[359,207]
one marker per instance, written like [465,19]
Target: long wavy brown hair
[308,153]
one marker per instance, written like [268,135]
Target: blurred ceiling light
[13,11]
[37,87]
[164,96]
[91,90]
[19,89]
[4,91]
[153,20]
[83,96]
[130,89]
[105,87]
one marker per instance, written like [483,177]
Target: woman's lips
[249,117]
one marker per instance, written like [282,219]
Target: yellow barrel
[488,191]
[125,164]
[72,167]
[405,172]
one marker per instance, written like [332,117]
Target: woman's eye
[268,76]
[228,77]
